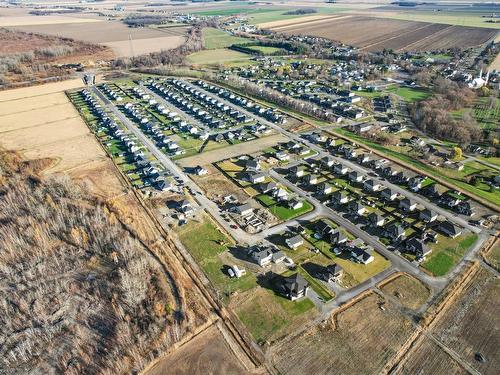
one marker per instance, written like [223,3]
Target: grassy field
[215,38]
[282,212]
[266,50]
[447,253]
[409,94]
[268,315]
[206,243]
[219,56]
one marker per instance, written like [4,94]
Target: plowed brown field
[375,34]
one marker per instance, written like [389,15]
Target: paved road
[354,166]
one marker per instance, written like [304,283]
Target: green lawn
[216,38]
[447,253]
[282,212]
[266,50]
[409,94]
[323,292]
[205,242]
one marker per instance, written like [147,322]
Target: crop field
[409,291]
[472,323]
[375,34]
[215,38]
[429,358]
[115,35]
[359,340]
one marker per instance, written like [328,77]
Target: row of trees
[176,56]
[276,97]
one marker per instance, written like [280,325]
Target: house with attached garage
[340,197]
[322,229]
[295,204]
[266,187]
[340,169]
[200,171]
[361,256]
[449,229]
[331,273]
[185,207]
[280,194]
[371,185]
[355,176]
[395,232]
[407,205]
[244,209]
[417,247]
[262,255]
[252,165]
[294,242]
[293,287]
[427,215]
[337,237]
[356,208]
[324,188]
[327,161]
[282,155]
[297,171]
[311,179]
[389,195]
[255,177]
[375,220]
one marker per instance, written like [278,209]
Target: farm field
[115,35]
[363,337]
[215,38]
[375,34]
[207,353]
[410,292]
[472,323]
[429,358]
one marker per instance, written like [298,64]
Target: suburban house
[356,208]
[311,179]
[371,185]
[337,237]
[331,273]
[327,161]
[262,255]
[244,209]
[200,171]
[280,194]
[252,165]
[376,220]
[340,197]
[293,287]
[355,176]
[294,242]
[340,169]
[255,177]
[282,156]
[297,170]
[266,187]
[389,195]
[417,247]
[324,188]
[185,206]
[395,232]
[427,215]
[322,229]
[449,229]
[407,205]
[361,255]
[295,204]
